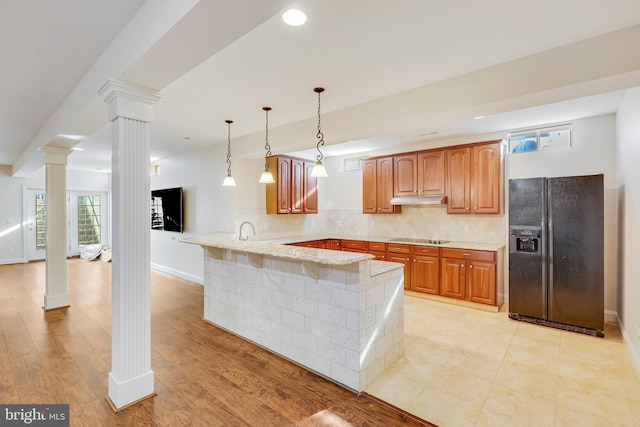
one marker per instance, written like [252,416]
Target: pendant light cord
[229,146]
[267,147]
[319,135]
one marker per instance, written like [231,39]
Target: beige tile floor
[467,367]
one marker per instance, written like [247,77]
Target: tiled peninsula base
[342,321]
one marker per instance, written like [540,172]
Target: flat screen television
[166,209]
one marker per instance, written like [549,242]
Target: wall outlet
[466,227]
[265,226]
[372,224]
[227,254]
[339,223]
[10,249]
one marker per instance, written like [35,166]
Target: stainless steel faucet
[240,234]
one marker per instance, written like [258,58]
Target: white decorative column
[56,295]
[130,112]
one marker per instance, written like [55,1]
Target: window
[41,222]
[89,215]
[540,139]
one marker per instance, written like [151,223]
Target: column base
[55,301]
[127,393]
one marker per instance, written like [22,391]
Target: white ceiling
[395,72]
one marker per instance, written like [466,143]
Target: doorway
[87,221]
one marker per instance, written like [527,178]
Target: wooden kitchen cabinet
[354,245]
[420,174]
[405,175]
[377,186]
[378,250]
[468,274]
[333,244]
[425,269]
[402,254]
[432,176]
[294,190]
[474,179]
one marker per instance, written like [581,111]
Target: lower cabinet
[454,273]
[402,254]
[469,275]
[425,269]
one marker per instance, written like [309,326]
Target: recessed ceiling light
[478,117]
[294,17]
[77,149]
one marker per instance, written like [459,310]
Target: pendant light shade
[267,176]
[228,180]
[319,170]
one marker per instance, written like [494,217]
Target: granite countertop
[277,250]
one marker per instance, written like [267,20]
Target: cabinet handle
[467,208]
[462,265]
[471,266]
[475,208]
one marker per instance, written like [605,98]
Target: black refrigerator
[556,252]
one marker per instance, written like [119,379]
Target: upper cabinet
[377,186]
[474,179]
[295,191]
[405,175]
[432,177]
[420,174]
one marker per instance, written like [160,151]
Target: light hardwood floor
[203,376]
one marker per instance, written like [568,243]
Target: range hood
[419,200]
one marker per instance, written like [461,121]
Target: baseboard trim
[635,358]
[611,316]
[179,274]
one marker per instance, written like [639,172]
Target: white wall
[628,121]
[13,238]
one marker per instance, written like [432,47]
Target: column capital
[55,155]
[129,100]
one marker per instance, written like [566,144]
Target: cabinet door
[405,175]
[334,244]
[369,181]
[481,277]
[486,179]
[403,259]
[283,183]
[297,186]
[425,274]
[459,180]
[432,176]
[310,190]
[452,278]
[384,185]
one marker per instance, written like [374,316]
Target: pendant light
[228,180]
[267,176]
[319,170]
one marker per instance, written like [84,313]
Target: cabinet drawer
[379,255]
[398,249]
[425,250]
[354,244]
[377,246]
[488,256]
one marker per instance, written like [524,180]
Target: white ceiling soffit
[393,71]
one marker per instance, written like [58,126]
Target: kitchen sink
[423,241]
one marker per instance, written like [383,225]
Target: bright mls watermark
[34,415]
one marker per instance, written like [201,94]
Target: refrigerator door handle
[549,263]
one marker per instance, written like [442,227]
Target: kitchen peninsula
[339,314]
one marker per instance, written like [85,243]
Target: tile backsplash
[429,222]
